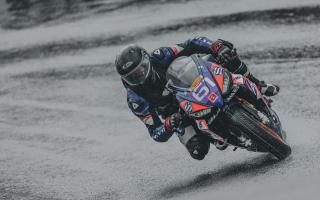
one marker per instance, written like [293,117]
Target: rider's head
[133,65]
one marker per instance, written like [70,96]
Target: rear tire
[258,132]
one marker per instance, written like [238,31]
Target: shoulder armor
[158,53]
[163,55]
[137,104]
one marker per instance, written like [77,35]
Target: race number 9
[200,93]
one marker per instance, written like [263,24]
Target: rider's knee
[198,147]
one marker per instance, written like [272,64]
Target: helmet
[133,65]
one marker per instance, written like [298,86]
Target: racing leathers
[152,102]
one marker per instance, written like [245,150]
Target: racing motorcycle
[228,108]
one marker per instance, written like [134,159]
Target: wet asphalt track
[66,132]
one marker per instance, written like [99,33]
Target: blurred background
[25,13]
[66,131]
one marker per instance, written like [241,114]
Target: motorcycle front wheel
[263,136]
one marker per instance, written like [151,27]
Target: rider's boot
[267,89]
[270,89]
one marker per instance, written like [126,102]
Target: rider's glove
[225,54]
[221,47]
[173,122]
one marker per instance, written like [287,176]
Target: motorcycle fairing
[190,107]
[203,125]
[252,87]
[206,91]
[217,72]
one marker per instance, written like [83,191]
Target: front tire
[264,136]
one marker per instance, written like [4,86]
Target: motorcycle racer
[143,76]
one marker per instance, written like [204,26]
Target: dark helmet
[133,64]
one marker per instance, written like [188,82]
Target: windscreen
[182,72]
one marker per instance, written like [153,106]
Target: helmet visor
[140,73]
